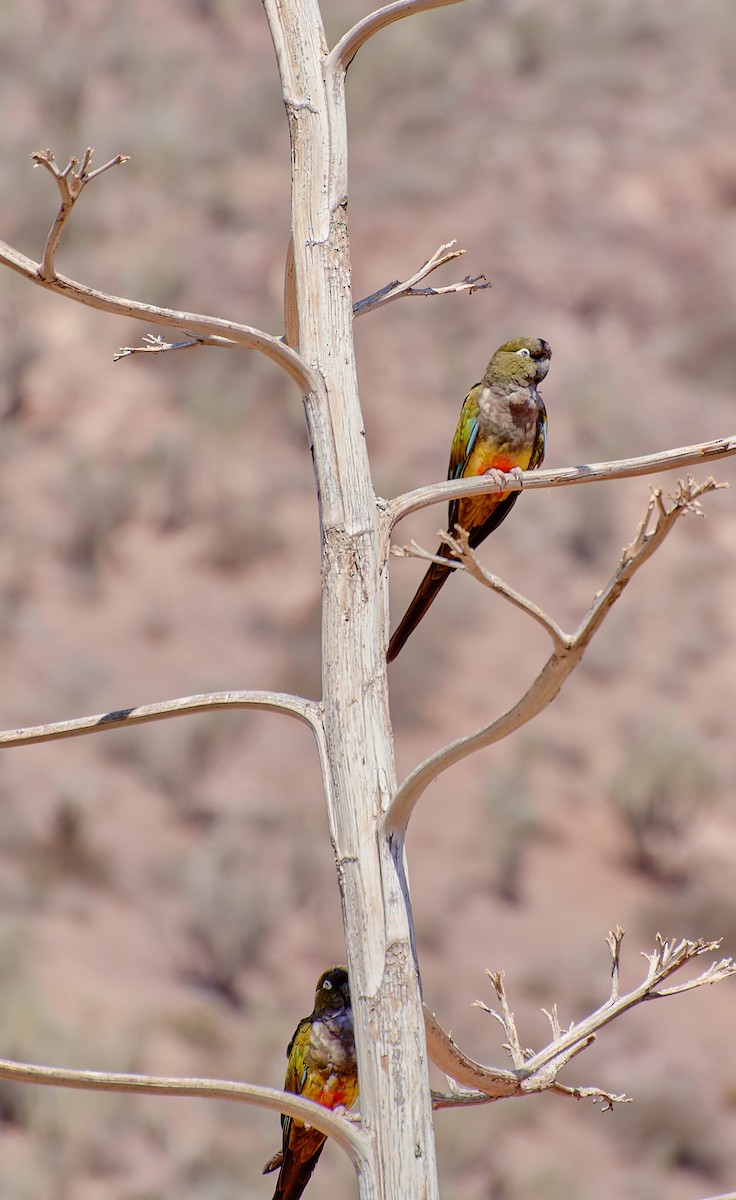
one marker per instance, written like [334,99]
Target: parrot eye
[524,353]
[327,986]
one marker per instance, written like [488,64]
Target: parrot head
[333,992]
[520,362]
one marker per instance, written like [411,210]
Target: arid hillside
[167,894]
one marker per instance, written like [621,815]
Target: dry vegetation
[158,537]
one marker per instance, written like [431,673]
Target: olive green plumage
[502,428]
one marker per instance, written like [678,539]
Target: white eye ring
[524,353]
[327,986]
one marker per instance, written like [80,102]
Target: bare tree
[392,1144]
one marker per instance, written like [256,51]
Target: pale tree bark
[359,767]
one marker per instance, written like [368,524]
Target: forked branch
[465,560]
[398,288]
[657,523]
[71,180]
[204,330]
[538,1072]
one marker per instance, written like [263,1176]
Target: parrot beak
[542,369]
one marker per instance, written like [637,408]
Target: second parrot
[502,428]
[321,1066]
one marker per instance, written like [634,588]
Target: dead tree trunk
[358,762]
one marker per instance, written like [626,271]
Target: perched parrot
[502,429]
[322,1067]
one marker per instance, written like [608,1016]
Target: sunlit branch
[346,1133]
[153,343]
[484,1085]
[344,52]
[624,468]
[73,178]
[657,523]
[294,706]
[398,288]
[538,1072]
[466,560]
[71,181]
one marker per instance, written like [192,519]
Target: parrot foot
[500,477]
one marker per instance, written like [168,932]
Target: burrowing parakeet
[502,429]
[321,1065]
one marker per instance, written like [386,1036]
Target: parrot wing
[480,515]
[497,510]
[301,1144]
[296,1068]
[540,441]
[465,434]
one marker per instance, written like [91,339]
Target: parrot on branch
[502,430]
[321,1066]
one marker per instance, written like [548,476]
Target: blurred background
[167,894]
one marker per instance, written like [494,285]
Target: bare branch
[346,1133]
[241,335]
[465,560]
[667,958]
[71,182]
[459,1098]
[654,528]
[624,468]
[613,941]
[344,52]
[482,1084]
[294,706]
[538,1072]
[153,343]
[493,1083]
[398,288]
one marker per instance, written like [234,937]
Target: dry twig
[535,1072]
[568,648]
[398,288]
[465,560]
[153,343]
[71,181]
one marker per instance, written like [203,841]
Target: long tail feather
[426,592]
[295,1176]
